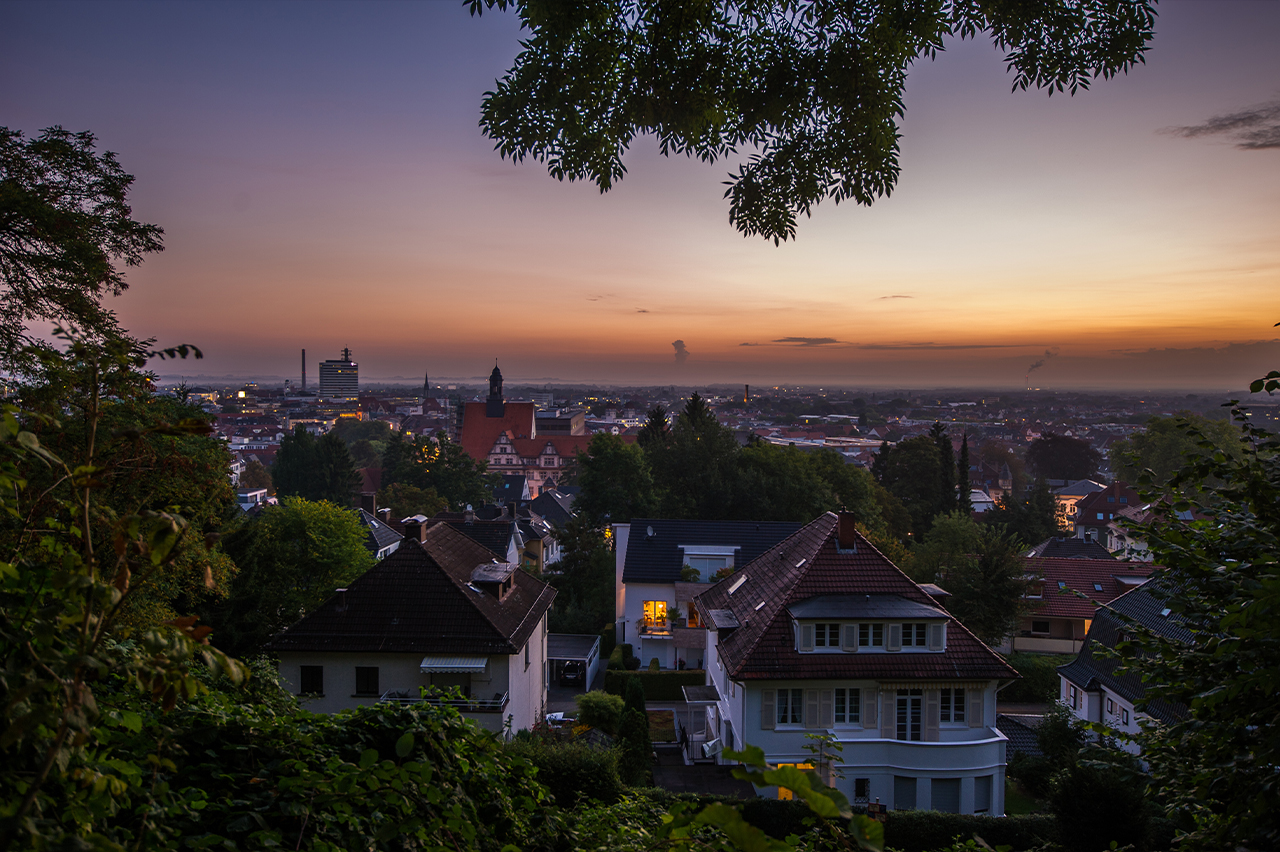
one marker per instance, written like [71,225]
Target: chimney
[304,369]
[369,502]
[415,528]
[469,515]
[384,515]
[846,532]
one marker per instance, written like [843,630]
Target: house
[1090,685]
[505,434]
[440,612]
[1095,511]
[1063,594]
[1061,547]
[382,540]
[1068,494]
[654,592]
[821,634]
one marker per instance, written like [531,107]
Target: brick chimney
[846,531]
[415,528]
[369,502]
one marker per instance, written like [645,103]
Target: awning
[453,664]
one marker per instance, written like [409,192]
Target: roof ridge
[461,586]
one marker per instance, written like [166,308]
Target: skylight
[759,606]
[737,584]
[1097,587]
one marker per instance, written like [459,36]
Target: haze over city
[323,183]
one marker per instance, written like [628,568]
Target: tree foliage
[65,224]
[912,472]
[315,468]
[987,588]
[1054,456]
[1214,769]
[615,479]
[437,464]
[291,558]
[1164,445]
[815,90]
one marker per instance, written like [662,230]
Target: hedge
[573,772]
[658,686]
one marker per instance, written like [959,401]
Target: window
[826,635]
[848,706]
[1073,697]
[913,634]
[311,680]
[1040,627]
[871,635]
[655,613]
[707,566]
[945,795]
[526,653]
[910,714]
[790,707]
[1124,499]
[982,794]
[1097,587]
[367,680]
[952,705]
[1111,707]
[862,791]
[1124,716]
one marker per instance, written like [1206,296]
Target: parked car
[574,673]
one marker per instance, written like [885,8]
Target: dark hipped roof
[1060,547]
[657,558]
[1091,670]
[420,600]
[380,535]
[810,564]
[554,505]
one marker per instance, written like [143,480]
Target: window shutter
[975,708]
[935,637]
[806,637]
[811,708]
[869,699]
[893,642]
[888,714]
[932,714]
[768,709]
[849,638]
[826,708]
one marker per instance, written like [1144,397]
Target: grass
[662,726]
[1017,803]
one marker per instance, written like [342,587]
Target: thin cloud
[1251,129]
[641,311]
[748,344]
[882,298]
[935,346]
[807,341]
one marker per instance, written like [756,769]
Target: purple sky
[322,181]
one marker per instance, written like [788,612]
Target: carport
[564,647]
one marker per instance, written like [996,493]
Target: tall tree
[987,589]
[697,472]
[1054,456]
[315,468]
[437,464]
[65,223]
[964,504]
[291,558]
[655,431]
[946,468]
[912,475]
[616,482]
[814,90]
[1166,443]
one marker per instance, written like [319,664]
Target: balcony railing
[463,705]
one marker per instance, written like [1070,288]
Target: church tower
[494,405]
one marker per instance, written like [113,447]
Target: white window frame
[952,705]
[871,635]
[850,698]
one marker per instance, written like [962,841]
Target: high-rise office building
[341,378]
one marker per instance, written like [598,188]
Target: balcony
[463,705]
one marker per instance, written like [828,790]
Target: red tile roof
[811,563]
[1080,576]
[480,433]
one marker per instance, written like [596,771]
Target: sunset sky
[322,182]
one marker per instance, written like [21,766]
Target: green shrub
[636,760]
[658,686]
[1095,805]
[599,710]
[574,772]
[633,694]
[617,661]
[1039,684]
[654,665]
[925,831]
[608,640]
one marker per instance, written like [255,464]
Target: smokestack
[304,369]
[746,394]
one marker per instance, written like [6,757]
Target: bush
[616,660]
[608,640]
[633,694]
[654,665]
[1095,805]
[574,772]
[600,710]
[636,760]
[658,686]
[924,831]
[1039,684]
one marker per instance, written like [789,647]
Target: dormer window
[826,635]
[914,635]
[870,635]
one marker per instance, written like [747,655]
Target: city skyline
[323,184]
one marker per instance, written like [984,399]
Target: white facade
[962,769]
[511,691]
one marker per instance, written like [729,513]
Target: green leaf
[404,745]
[368,758]
[868,833]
